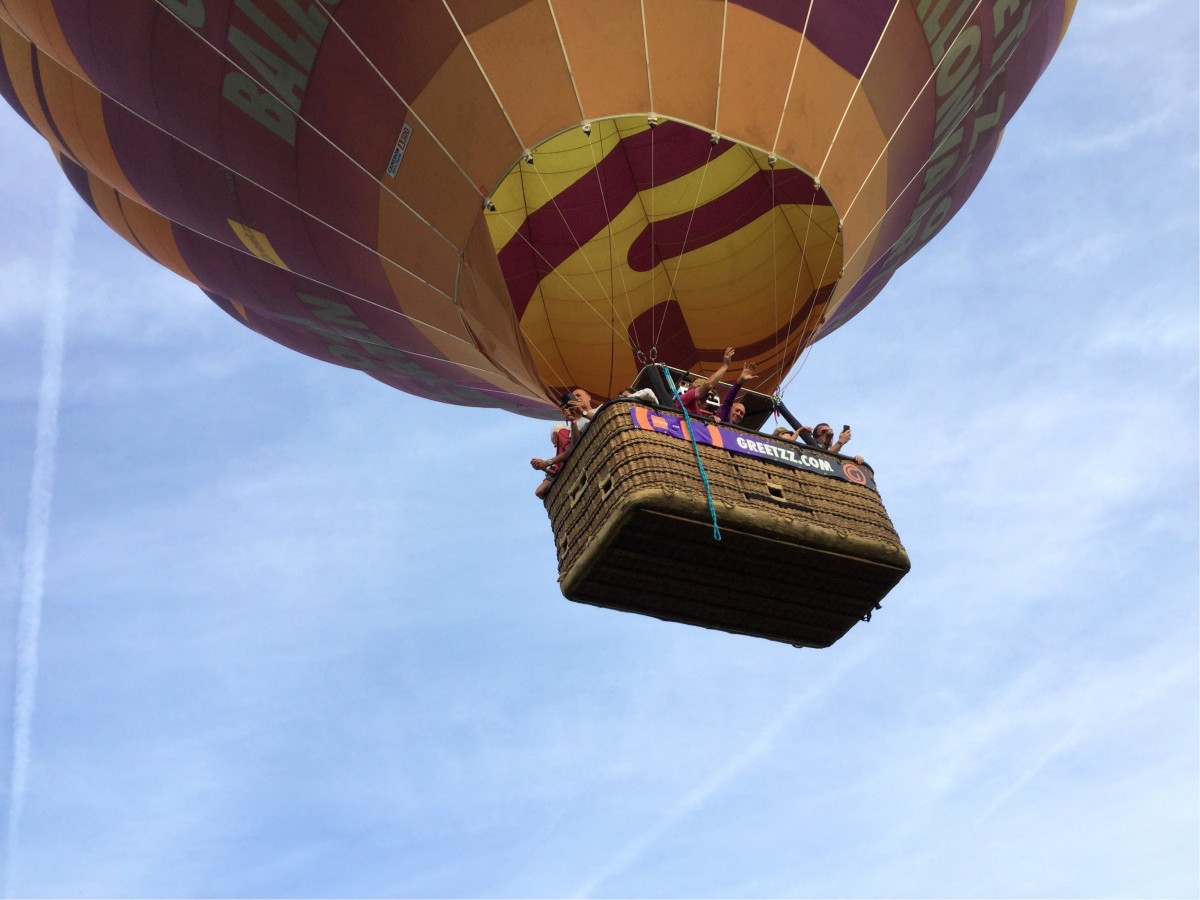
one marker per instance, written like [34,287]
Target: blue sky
[300,635]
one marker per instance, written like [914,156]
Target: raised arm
[727,403]
[708,381]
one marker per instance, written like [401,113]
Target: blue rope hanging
[712,509]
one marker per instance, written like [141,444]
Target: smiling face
[737,412]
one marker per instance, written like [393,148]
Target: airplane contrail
[37,524]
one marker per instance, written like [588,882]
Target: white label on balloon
[398,152]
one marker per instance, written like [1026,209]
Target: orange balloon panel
[482,201]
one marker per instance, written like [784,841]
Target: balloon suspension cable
[389,310]
[634,337]
[384,257]
[672,280]
[918,171]
[712,509]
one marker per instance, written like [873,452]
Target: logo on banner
[854,473]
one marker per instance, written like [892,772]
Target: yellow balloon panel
[663,244]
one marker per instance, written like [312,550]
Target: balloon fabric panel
[538,99]
[607,52]
[684,38]
[350,178]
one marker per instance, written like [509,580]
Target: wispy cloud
[759,748]
[37,530]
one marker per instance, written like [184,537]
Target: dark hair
[819,424]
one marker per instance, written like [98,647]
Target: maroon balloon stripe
[722,216]
[9,91]
[845,32]
[576,215]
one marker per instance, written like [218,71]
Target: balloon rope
[674,279]
[483,72]
[628,338]
[712,509]
[578,247]
[566,59]
[775,268]
[781,350]
[791,82]
[911,106]
[652,219]
[808,330]
[721,66]
[411,112]
[806,350]
[237,248]
[920,169]
[333,144]
[378,181]
[646,50]
[173,11]
[812,299]
[652,119]
[857,87]
[601,127]
[508,220]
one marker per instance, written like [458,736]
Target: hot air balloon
[484,202]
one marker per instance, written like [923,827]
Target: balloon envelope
[484,201]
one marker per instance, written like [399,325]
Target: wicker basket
[802,556]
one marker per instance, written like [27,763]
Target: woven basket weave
[802,557]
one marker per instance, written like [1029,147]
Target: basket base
[668,566]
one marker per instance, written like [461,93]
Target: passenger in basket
[563,437]
[645,395]
[733,411]
[698,389]
[583,403]
[820,436]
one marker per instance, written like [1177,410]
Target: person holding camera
[821,437]
[580,400]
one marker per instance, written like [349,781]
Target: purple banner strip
[784,453]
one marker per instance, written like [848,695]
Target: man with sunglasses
[821,436]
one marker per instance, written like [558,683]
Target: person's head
[625,393]
[583,397]
[823,434]
[737,412]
